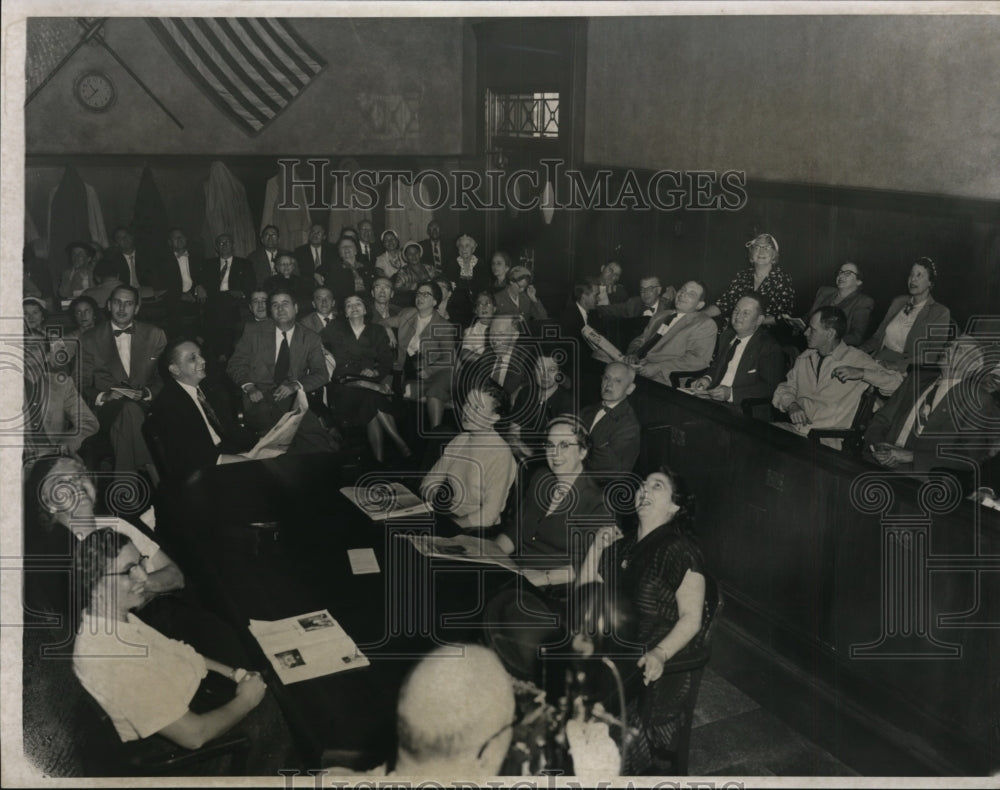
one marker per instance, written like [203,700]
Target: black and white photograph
[675,326]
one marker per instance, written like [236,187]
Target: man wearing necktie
[272,361]
[749,362]
[366,244]
[195,424]
[433,252]
[178,277]
[955,409]
[613,426]
[132,269]
[681,340]
[312,256]
[227,280]
[119,377]
[811,395]
[652,298]
[264,258]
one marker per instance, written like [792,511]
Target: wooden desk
[883,589]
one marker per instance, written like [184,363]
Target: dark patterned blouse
[777,289]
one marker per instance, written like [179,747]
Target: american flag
[252,69]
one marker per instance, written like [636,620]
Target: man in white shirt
[652,298]
[432,246]
[476,468]
[194,422]
[265,258]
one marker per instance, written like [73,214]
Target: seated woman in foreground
[144,681]
[561,510]
[660,571]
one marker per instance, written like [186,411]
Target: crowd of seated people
[406,340]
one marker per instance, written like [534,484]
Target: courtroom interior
[458,397]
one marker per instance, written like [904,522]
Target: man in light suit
[264,258]
[272,361]
[613,426]
[682,339]
[195,424]
[119,377]
[954,409]
[749,362]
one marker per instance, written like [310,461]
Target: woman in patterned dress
[764,277]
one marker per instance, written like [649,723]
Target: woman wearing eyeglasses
[763,277]
[660,571]
[908,319]
[147,683]
[550,532]
[59,504]
[846,295]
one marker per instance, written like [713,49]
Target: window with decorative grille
[522,115]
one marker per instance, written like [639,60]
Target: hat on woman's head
[35,301]
[519,272]
[763,240]
[389,232]
[412,244]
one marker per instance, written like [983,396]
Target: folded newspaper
[277,440]
[604,349]
[307,646]
[386,500]
[464,548]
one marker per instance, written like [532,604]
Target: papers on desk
[386,500]
[363,561]
[307,646]
[464,548]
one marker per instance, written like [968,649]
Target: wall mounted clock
[95,91]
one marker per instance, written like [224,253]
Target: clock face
[95,91]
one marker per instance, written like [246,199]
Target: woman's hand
[251,689]
[369,373]
[652,665]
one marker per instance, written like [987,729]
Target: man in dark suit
[195,423]
[748,361]
[177,276]
[433,246]
[119,377]
[652,299]
[609,289]
[950,410]
[226,281]
[272,361]
[132,269]
[613,426]
[264,258]
[313,256]
[574,318]
[367,251]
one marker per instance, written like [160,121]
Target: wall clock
[95,91]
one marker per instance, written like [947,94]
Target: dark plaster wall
[421,58]
[904,103]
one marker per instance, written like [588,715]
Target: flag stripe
[302,60]
[261,35]
[252,69]
[245,72]
[226,89]
[168,31]
[237,38]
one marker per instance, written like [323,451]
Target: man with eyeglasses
[652,298]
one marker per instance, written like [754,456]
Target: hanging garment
[292,223]
[340,193]
[68,220]
[227,210]
[409,222]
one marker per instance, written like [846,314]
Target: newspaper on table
[386,500]
[307,646]
[464,548]
[604,349]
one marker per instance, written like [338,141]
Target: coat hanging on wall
[292,223]
[273,68]
[74,215]
[410,222]
[341,193]
[227,210]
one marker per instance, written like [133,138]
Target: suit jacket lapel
[116,361]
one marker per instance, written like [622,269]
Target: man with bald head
[613,426]
[454,714]
[652,298]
